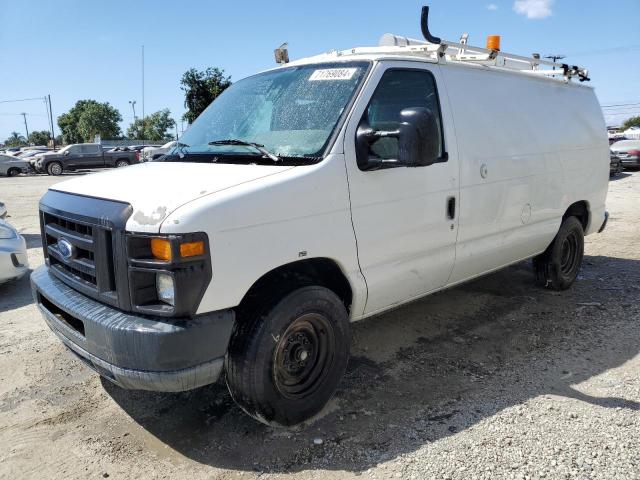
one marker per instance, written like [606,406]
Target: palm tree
[15,140]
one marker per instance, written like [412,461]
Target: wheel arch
[581,211]
[276,283]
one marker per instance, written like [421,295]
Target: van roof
[436,50]
[454,54]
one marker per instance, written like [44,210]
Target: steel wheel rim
[303,356]
[569,254]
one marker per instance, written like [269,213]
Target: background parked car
[13,253]
[25,154]
[628,151]
[83,155]
[11,166]
[615,165]
[151,153]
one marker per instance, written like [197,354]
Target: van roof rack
[460,51]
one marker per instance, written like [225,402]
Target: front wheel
[13,172]
[54,168]
[122,163]
[284,364]
[557,268]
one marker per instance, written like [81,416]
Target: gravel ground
[493,379]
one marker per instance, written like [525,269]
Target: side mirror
[66,152]
[418,141]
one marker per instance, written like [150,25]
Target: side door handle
[451,208]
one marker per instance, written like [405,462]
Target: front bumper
[630,161]
[136,352]
[13,259]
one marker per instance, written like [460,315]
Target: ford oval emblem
[66,249]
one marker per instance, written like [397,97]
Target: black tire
[284,363]
[13,172]
[122,163]
[558,267]
[55,168]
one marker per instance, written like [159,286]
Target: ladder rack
[462,52]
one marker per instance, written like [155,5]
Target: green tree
[631,122]
[155,127]
[201,88]
[39,137]
[88,118]
[99,119]
[15,140]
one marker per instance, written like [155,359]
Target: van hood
[156,189]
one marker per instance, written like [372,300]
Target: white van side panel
[529,148]
[255,227]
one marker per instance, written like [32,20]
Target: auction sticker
[332,74]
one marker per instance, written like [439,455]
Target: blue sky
[84,49]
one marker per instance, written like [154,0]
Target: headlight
[168,274]
[166,288]
[7,232]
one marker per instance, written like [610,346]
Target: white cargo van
[321,192]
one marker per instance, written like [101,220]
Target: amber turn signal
[493,42]
[191,249]
[161,249]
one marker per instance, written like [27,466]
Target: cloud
[533,9]
[492,6]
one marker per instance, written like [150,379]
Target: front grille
[81,265]
[83,239]
[89,266]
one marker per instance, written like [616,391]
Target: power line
[30,114]
[620,105]
[22,100]
[604,51]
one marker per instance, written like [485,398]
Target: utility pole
[53,134]
[181,126]
[24,115]
[142,94]
[176,125]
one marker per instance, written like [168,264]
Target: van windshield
[289,112]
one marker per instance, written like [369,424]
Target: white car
[149,153]
[628,151]
[13,253]
[315,194]
[11,166]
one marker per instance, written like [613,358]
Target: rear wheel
[122,163]
[557,268]
[284,364]
[54,168]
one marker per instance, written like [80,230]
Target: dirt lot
[493,379]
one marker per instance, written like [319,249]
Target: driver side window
[397,90]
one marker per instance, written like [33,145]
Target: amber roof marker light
[493,42]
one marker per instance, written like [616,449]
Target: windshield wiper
[242,143]
[181,149]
